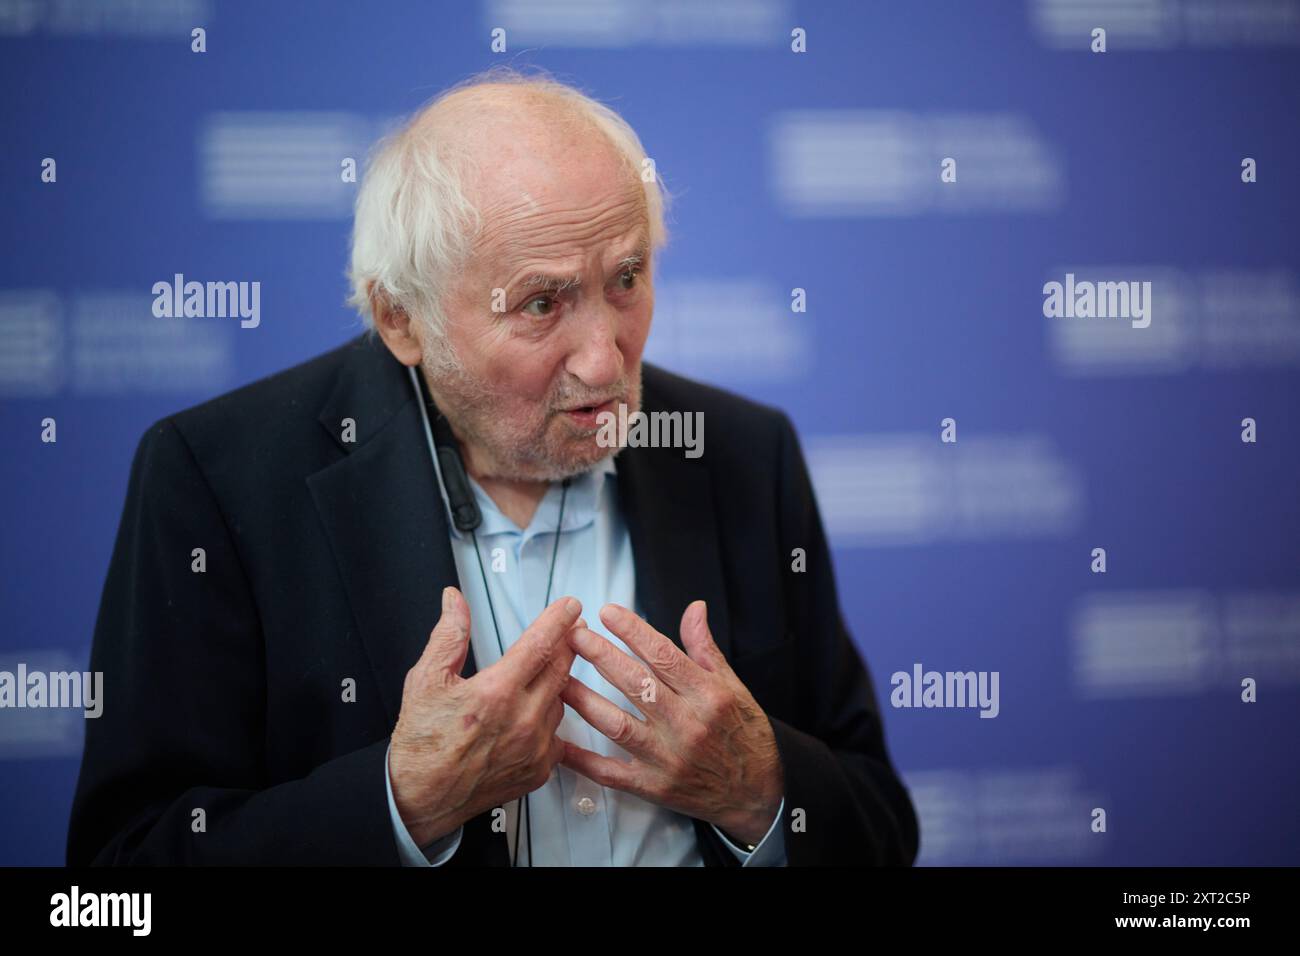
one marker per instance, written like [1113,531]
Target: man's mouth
[585,415]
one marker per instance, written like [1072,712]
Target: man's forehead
[531,204]
[552,209]
[518,251]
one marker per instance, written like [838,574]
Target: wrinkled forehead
[582,207]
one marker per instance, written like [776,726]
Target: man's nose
[594,355]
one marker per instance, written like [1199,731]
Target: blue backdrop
[819,171]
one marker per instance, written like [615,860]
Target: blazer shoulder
[273,419]
[300,389]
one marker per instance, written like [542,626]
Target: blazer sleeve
[856,810]
[173,769]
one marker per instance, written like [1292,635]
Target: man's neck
[518,500]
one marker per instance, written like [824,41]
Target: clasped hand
[704,748]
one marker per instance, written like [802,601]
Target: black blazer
[325,560]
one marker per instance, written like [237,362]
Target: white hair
[414,226]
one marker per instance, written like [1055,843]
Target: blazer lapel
[384,517]
[667,502]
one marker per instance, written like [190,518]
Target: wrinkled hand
[463,746]
[705,748]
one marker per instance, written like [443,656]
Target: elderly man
[638,656]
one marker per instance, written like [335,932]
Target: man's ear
[394,325]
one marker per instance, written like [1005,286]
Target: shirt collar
[585,497]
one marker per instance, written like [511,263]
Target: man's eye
[629,276]
[546,301]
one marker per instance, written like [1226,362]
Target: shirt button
[586,806]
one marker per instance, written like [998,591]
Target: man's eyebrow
[555,283]
[638,256]
[551,283]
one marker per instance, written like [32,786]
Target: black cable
[500,647]
[550,578]
[559,526]
[555,550]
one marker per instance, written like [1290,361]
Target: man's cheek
[632,343]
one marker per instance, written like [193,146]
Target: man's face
[565,253]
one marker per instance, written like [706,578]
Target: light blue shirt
[575,821]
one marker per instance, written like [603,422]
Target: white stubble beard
[525,452]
